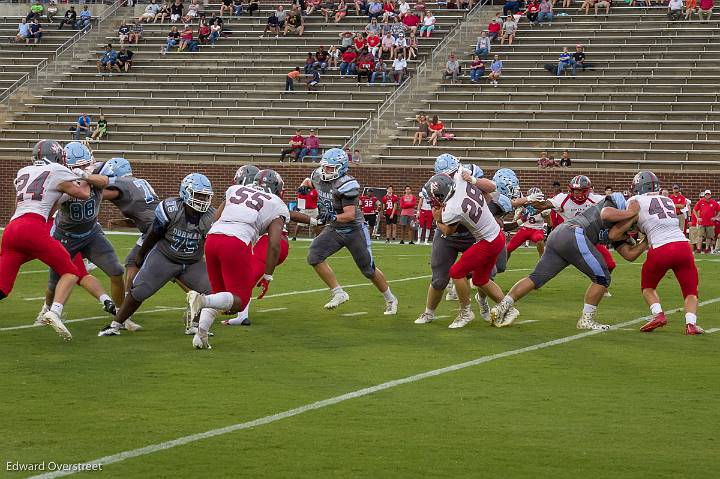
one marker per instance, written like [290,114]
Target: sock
[429,311]
[57,308]
[421,235]
[222,301]
[337,290]
[690,318]
[243,315]
[104,297]
[655,308]
[508,299]
[207,316]
[388,295]
[589,308]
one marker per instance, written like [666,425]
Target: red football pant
[677,257]
[607,256]
[27,238]
[479,260]
[232,266]
[426,219]
[523,235]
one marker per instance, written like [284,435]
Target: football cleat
[463,318]
[192,331]
[337,299]
[53,320]
[112,329]
[109,307]
[236,322]
[201,342]
[451,294]
[195,302]
[40,320]
[484,306]
[498,312]
[425,318]
[587,321]
[130,325]
[607,294]
[391,307]
[692,329]
[508,319]
[658,321]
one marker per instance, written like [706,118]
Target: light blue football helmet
[334,158]
[116,167]
[619,200]
[504,203]
[507,182]
[446,164]
[196,192]
[78,155]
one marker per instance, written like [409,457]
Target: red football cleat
[693,329]
[658,321]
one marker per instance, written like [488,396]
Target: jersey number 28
[473,204]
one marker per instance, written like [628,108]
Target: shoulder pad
[347,186]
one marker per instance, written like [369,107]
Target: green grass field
[618,404]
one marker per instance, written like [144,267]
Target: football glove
[303,190]
[264,283]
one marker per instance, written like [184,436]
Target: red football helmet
[579,188]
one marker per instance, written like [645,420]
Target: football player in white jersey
[461,201]
[27,236]
[233,268]
[669,250]
[532,225]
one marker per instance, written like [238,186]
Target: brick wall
[166,177]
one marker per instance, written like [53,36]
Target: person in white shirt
[399,68]
[675,9]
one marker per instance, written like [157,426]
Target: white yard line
[359,313]
[37,298]
[270,310]
[528,321]
[181,441]
[159,309]
[712,330]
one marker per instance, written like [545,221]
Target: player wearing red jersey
[390,207]
[532,225]
[369,206]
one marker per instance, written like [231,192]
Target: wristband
[473,180]
[267,277]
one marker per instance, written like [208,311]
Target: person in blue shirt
[83,22]
[564,61]
[108,60]
[23,32]
[36,30]
[82,126]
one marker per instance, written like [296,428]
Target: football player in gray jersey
[77,229]
[574,243]
[136,199]
[345,227]
[173,249]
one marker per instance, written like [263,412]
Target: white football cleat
[425,318]
[463,318]
[337,299]
[40,320]
[53,320]
[484,306]
[587,321]
[192,331]
[195,302]
[199,342]
[89,266]
[508,319]
[451,294]
[391,307]
[131,325]
[498,312]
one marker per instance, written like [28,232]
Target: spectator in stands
[565,160]
[373,44]
[292,77]
[203,32]
[194,10]
[403,9]
[346,41]
[136,33]
[70,17]
[226,5]
[675,9]
[108,59]
[253,7]
[341,11]
[313,79]
[321,59]
[23,31]
[408,203]
[482,47]
[172,39]
[690,8]
[163,13]
[36,31]
[186,36]
[238,7]
[123,33]
[82,126]
[603,3]
[333,56]
[397,27]
[176,11]
[477,69]
[295,23]
[452,69]
[531,12]
[428,24]
[546,161]
[579,58]
[327,9]
[511,6]
[375,9]
[388,10]
[36,11]
[706,8]
[356,156]
[312,6]
[387,46]
[423,131]
[412,47]
[100,129]
[399,69]
[124,60]
[609,190]
[295,143]
[565,60]
[495,27]
[151,10]
[546,12]
[436,128]
[51,11]
[347,66]
[400,46]
[411,22]
[311,147]
[707,209]
[83,22]
[365,66]
[680,203]
[586,4]
[373,27]
[359,42]
[508,31]
[380,71]
[273,24]
[309,63]
[495,70]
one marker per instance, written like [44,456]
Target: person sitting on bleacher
[341,11]
[253,6]
[311,147]
[136,33]
[52,10]
[706,8]
[586,4]
[565,60]
[23,32]
[215,31]
[546,12]
[124,60]
[163,13]
[108,59]
[482,47]
[452,69]
[36,30]
[428,24]
[373,44]
[347,66]
[186,36]
[380,71]
[172,39]
[477,69]
[203,33]
[194,10]
[150,12]
[82,126]
[123,33]
[388,10]
[375,9]
[295,23]
[603,3]
[83,22]
[238,7]
[365,66]
[690,8]
[579,57]
[327,9]
[313,6]
[70,17]
[509,30]
[373,27]
[321,59]
[399,69]
[532,11]
[411,22]
[36,11]
[176,11]
[101,128]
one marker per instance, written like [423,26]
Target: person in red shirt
[307,203]
[370,207]
[695,240]
[373,43]
[707,209]
[359,42]
[494,29]
[296,143]
[347,66]
[408,202]
[412,22]
[389,202]
[436,130]
[680,202]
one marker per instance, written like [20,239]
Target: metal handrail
[421,71]
[68,44]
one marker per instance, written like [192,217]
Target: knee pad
[603,280]
[439,284]
[368,271]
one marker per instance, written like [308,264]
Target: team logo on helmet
[440,188]
[333,165]
[245,175]
[645,182]
[269,181]
[580,188]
